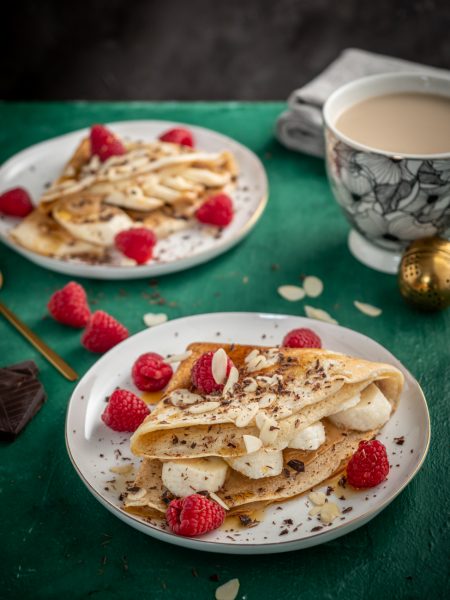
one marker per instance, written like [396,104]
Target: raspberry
[125,411]
[202,377]
[16,202]
[194,515]
[104,143]
[369,466]
[69,305]
[217,210]
[302,338]
[136,243]
[178,135]
[103,332]
[150,373]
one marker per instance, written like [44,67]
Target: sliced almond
[219,365]
[329,512]
[266,400]
[268,430]
[121,469]
[137,495]
[203,407]
[153,319]
[252,443]
[246,414]
[233,378]
[219,500]
[317,498]
[368,309]
[174,358]
[319,314]
[251,355]
[228,591]
[292,293]
[183,396]
[250,385]
[313,286]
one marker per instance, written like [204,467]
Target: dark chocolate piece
[21,396]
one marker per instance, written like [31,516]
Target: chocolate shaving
[297,465]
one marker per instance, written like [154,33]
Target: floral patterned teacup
[390,200]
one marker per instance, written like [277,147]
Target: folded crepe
[270,399]
[156,185]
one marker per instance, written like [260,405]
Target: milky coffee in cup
[404,123]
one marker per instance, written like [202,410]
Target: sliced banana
[310,438]
[263,463]
[371,412]
[87,219]
[185,477]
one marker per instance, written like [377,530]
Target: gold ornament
[424,274]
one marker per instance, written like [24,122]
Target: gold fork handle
[49,354]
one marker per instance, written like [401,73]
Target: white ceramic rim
[236,548]
[404,77]
[112,272]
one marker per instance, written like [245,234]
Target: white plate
[34,167]
[94,448]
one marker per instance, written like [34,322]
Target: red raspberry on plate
[69,305]
[202,377]
[103,332]
[104,143]
[178,135]
[369,466]
[302,338]
[217,210]
[16,202]
[125,411]
[136,243]
[194,515]
[150,373]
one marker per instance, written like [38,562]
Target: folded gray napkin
[300,127]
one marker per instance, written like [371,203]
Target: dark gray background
[203,49]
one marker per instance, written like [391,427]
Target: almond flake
[368,309]
[203,407]
[252,443]
[249,385]
[319,314]
[137,495]
[219,366]
[121,469]
[152,319]
[266,400]
[219,500]
[228,591]
[317,498]
[246,414]
[233,378]
[329,512]
[292,293]
[251,355]
[183,396]
[174,358]
[315,510]
[313,286]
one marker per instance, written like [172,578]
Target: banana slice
[86,218]
[263,463]
[186,477]
[371,412]
[309,438]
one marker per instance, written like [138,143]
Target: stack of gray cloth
[300,127]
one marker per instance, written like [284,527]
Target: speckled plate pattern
[95,449]
[40,164]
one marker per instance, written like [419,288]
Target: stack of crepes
[156,185]
[286,420]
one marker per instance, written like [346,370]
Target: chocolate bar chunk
[21,396]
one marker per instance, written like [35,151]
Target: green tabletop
[57,541]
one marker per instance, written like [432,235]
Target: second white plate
[40,164]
